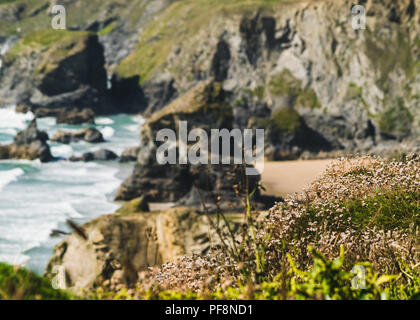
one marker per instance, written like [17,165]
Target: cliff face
[99,34]
[54,69]
[353,90]
[296,68]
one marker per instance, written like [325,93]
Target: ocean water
[37,197]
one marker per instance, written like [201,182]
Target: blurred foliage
[20,284]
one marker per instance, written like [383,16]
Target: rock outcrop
[29,144]
[74,116]
[130,155]
[206,107]
[90,135]
[57,71]
[121,245]
[99,155]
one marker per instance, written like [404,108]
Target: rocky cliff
[54,70]
[296,67]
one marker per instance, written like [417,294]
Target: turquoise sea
[37,197]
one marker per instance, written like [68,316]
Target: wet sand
[286,177]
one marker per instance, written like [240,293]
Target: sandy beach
[285,177]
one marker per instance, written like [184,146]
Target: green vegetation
[387,210]
[19,283]
[258,92]
[385,60]
[106,30]
[46,38]
[6,1]
[285,83]
[41,40]
[327,279]
[286,119]
[138,205]
[396,120]
[281,120]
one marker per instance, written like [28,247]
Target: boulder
[90,135]
[99,155]
[119,246]
[130,155]
[29,144]
[75,116]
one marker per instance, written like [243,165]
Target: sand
[286,177]
[280,178]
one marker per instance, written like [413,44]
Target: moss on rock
[204,99]
[286,119]
[137,205]
[396,120]
[284,83]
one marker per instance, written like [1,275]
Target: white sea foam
[107,132]
[133,127]
[9,131]
[9,176]
[9,119]
[62,151]
[104,121]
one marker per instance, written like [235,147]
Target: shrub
[18,283]
[364,210]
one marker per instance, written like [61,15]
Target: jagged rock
[130,155]
[99,155]
[29,144]
[90,135]
[206,107]
[125,244]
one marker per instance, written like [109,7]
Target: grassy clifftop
[23,16]
[45,39]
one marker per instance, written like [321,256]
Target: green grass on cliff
[81,13]
[401,56]
[44,39]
